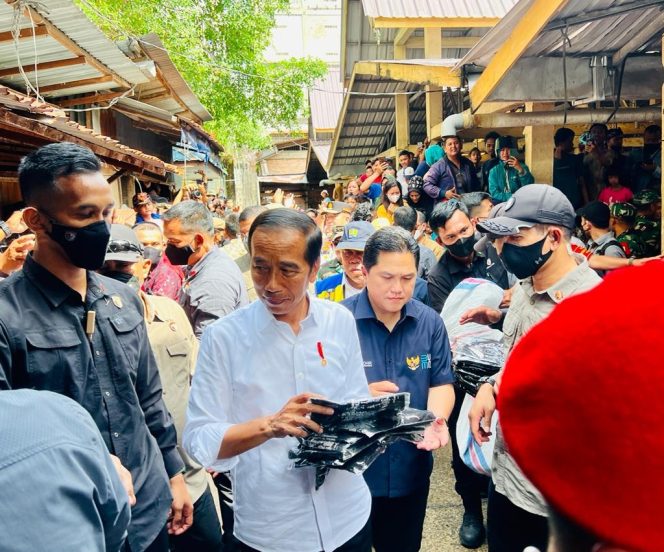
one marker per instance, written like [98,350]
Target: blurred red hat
[580,405]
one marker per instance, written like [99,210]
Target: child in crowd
[614,191]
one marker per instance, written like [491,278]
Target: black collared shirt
[112,374]
[450,272]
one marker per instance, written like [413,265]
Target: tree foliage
[218,46]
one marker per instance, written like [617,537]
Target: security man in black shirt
[65,329]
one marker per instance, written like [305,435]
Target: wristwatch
[5,229]
[491,380]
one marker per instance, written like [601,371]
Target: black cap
[596,213]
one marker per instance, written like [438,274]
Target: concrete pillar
[539,146]
[402,121]
[434,94]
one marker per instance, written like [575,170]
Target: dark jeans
[361,542]
[397,522]
[205,534]
[225,491]
[159,544]
[510,528]
[469,485]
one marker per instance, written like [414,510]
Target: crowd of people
[157,366]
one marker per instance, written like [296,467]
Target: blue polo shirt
[415,356]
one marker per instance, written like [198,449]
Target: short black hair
[444,211]
[232,224]
[40,170]
[390,239]
[493,134]
[251,212]
[405,217]
[563,135]
[279,219]
[405,152]
[472,200]
[601,125]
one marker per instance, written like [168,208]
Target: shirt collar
[604,238]
[364,310]
[193,270]
[55,290]
[564,287]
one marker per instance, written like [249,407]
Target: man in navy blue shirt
[404,348]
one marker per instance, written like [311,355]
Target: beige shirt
[175,348]
[236,251]
[528,307]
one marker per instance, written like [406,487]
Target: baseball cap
[613,133]
[533,204]
[123,245]
[355,235]
[597,213]
[141,198]
[408,173]
[645,198]
[483,243]
[624,211]
[581,422]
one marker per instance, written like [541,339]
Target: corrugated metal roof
[436,8]
[154,48]
[325,100]
[606,34]
[322,150]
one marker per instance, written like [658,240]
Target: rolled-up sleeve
[210,400]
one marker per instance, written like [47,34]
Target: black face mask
[463,247]
[118,275]
[178,255]
[85,247]
[524,261]
[153,254]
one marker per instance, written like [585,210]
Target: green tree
[218,46]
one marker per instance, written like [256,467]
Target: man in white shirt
[242,414]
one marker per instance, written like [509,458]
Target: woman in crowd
[391,199]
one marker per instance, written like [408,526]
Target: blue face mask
[524,261]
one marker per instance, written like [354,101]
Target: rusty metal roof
[325,100]
[436,8]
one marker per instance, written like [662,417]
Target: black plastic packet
[358,432]
[476,358]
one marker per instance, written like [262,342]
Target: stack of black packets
[358,432]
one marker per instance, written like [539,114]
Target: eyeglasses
[124,246]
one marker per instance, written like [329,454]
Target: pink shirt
[612,195]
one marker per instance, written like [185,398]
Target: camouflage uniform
[648,230]
[628,240]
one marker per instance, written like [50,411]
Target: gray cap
[355,235]
[533,204]
[124,245]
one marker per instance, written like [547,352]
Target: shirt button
[97,353]
[116,434]
[107,393]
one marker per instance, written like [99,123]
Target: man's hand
[15,222]
[278,196]
[289,201]
[481,315]
[293,419]
[451,194]
[380,388]
[435,436]
[481,413]
[125,478]
[507,298]
[181,517]
[641,262]
[14,256]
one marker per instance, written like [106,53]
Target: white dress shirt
[249,365]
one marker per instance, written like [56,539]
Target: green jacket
[505,180]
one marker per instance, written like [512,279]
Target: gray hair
[391,239]
[251,212]
[193,216]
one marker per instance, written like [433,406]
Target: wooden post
[539,146]
[402,121]
[434,94]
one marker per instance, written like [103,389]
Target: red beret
[580,404]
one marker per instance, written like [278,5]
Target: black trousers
[469,485]
[397,522]
[361,542]
[510,528]
[205,534]
[225,491]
